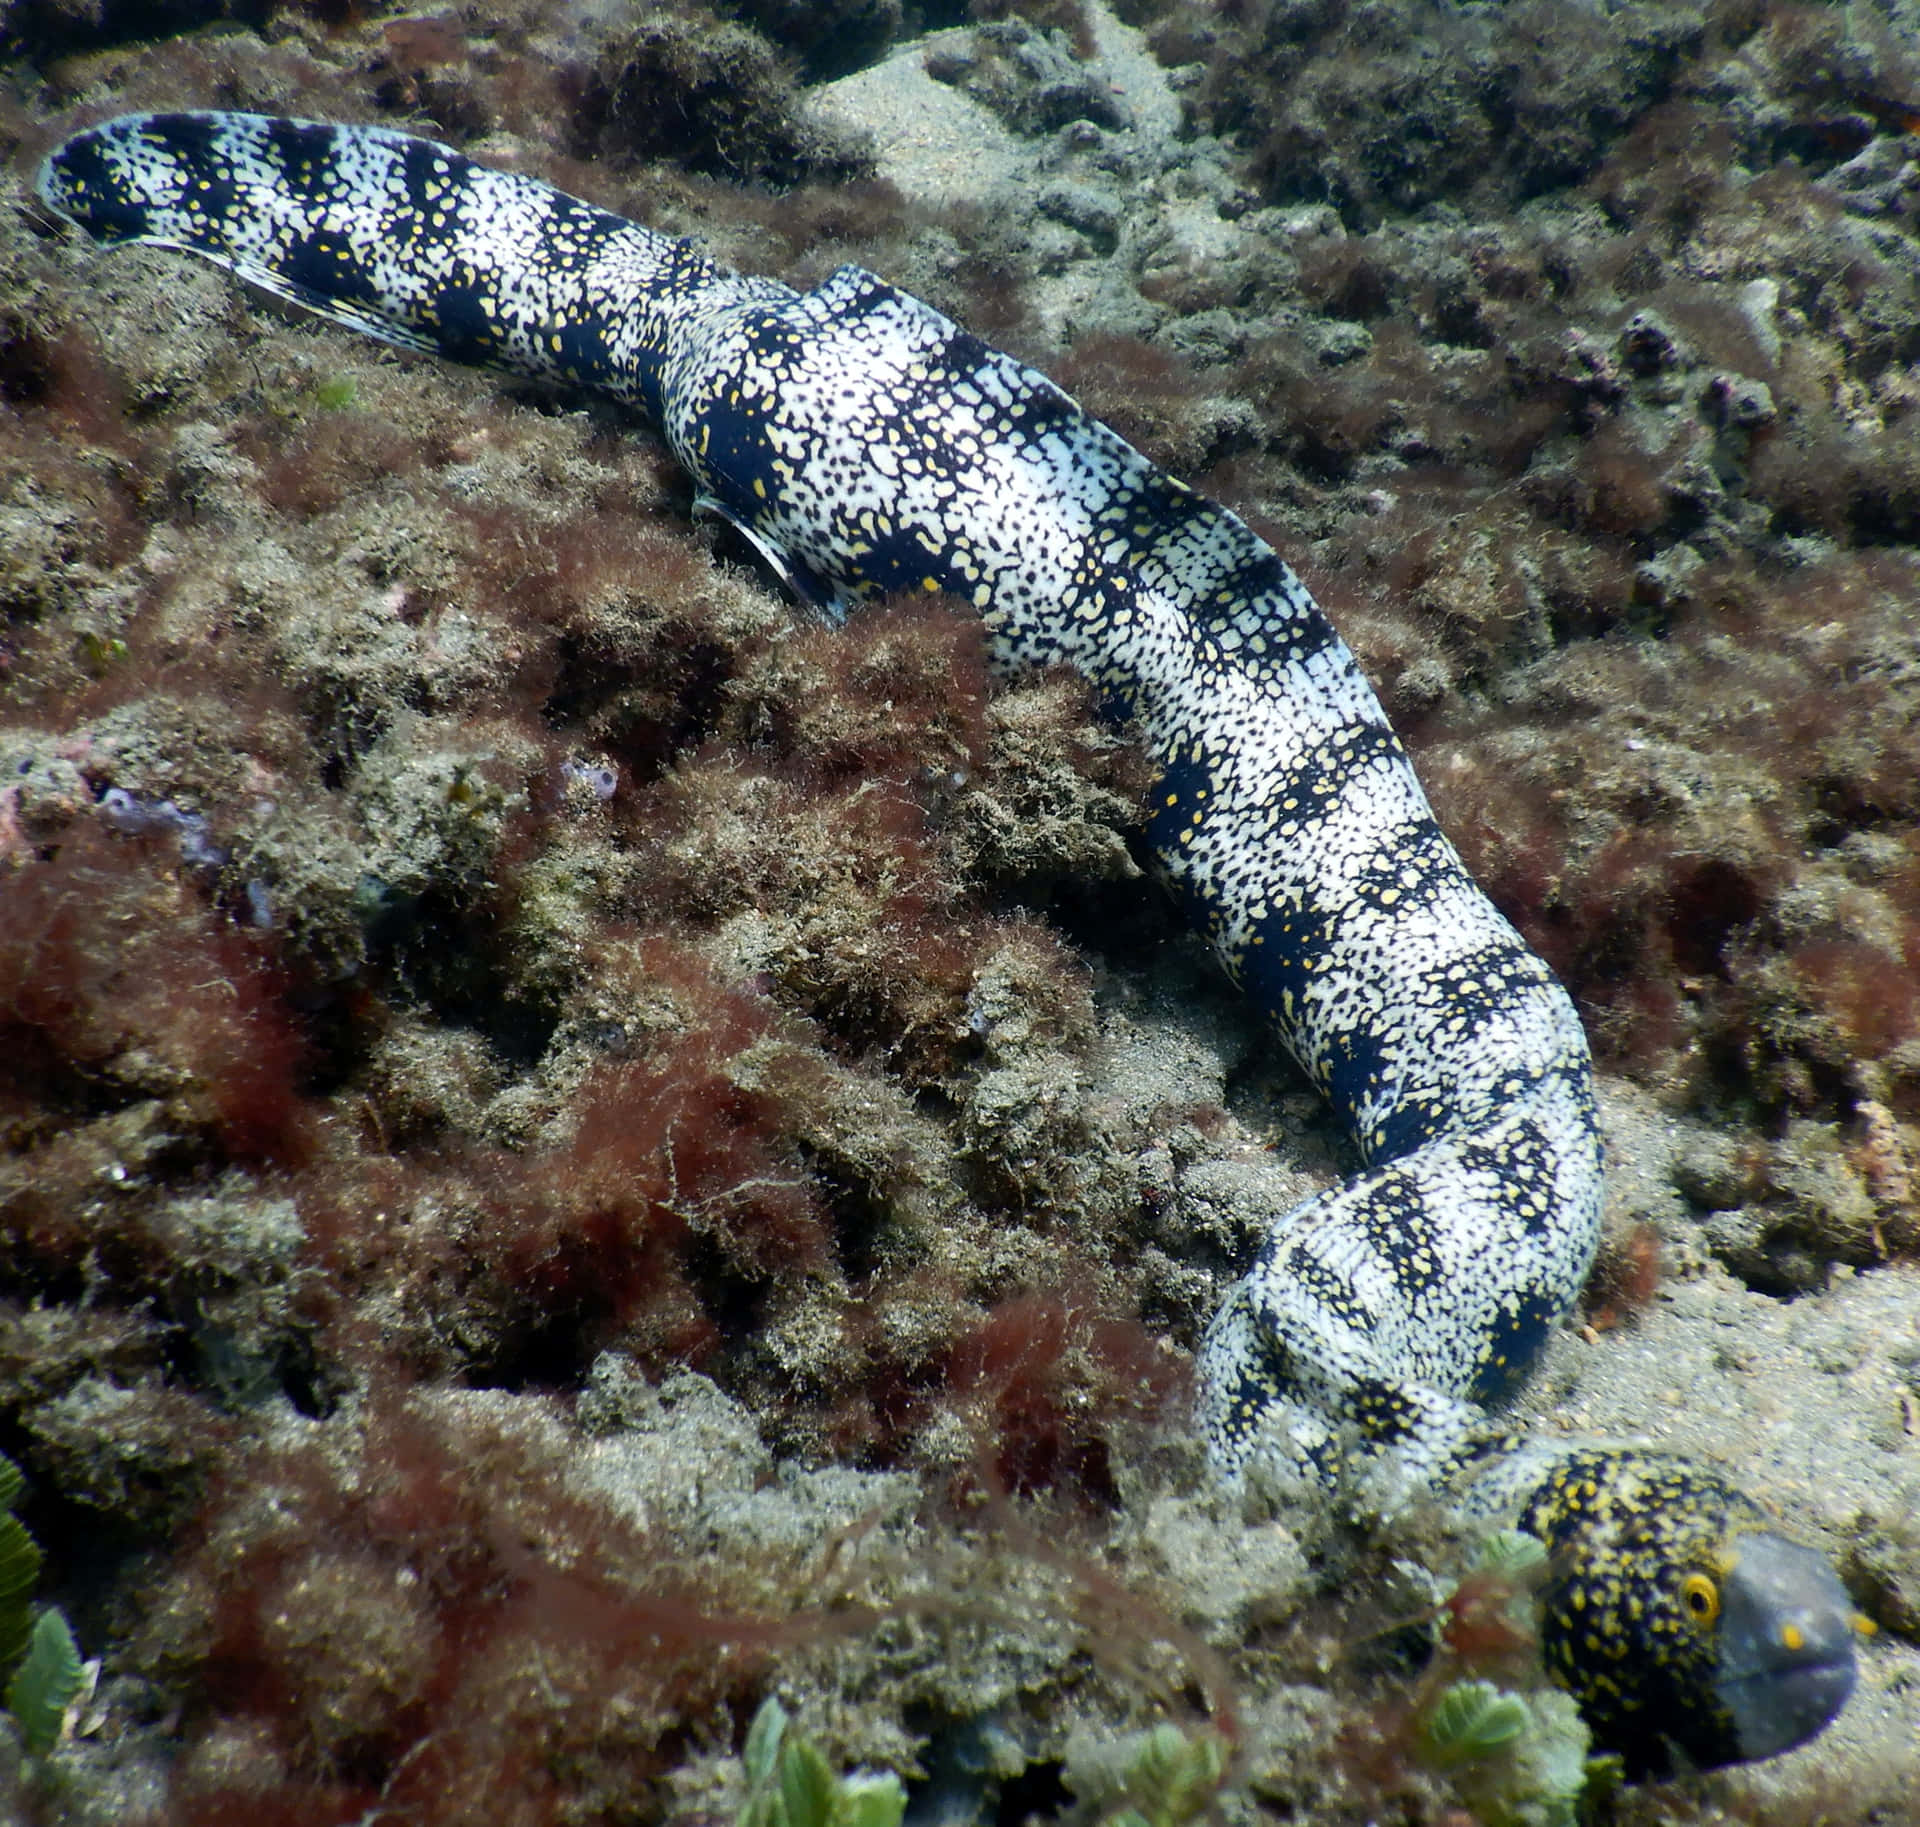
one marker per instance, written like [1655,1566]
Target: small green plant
[337,394]
[1516,1760]
[46,1666]
[791,1784]
[97,653]
[1471,1721]
[46,1680]
[1172,1779]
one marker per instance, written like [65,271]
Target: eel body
[866,444]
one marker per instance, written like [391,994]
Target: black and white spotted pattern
[867,444]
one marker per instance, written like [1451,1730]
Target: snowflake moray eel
[865,444]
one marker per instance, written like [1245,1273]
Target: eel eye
[1701,1597]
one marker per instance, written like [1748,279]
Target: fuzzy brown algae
[866,444]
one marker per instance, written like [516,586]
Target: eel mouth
[1777,1709]
[1786,1645]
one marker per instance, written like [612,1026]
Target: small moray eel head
[1691,1634]
[1786,1631]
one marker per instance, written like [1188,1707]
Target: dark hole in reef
[1817,146]
[940,15]
[549,1346]
[1615,950]
[333,1025]
[735,1304]
[42,1074]
[898,1396]
[959,1758]
[239,1370]
[553,1351]
[677,705]
[1038,1793]
[1396,1651]
[1884,516]
[1840,808]
[859,1217]
[440,954]
[1129,923]
[47,29]
[1041,1447]
[1781,1266]
[25,365]
[1708,906]
[311,1384]
[344,732]
[87,1550]
[551,1356]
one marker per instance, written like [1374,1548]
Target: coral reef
[575,1148]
